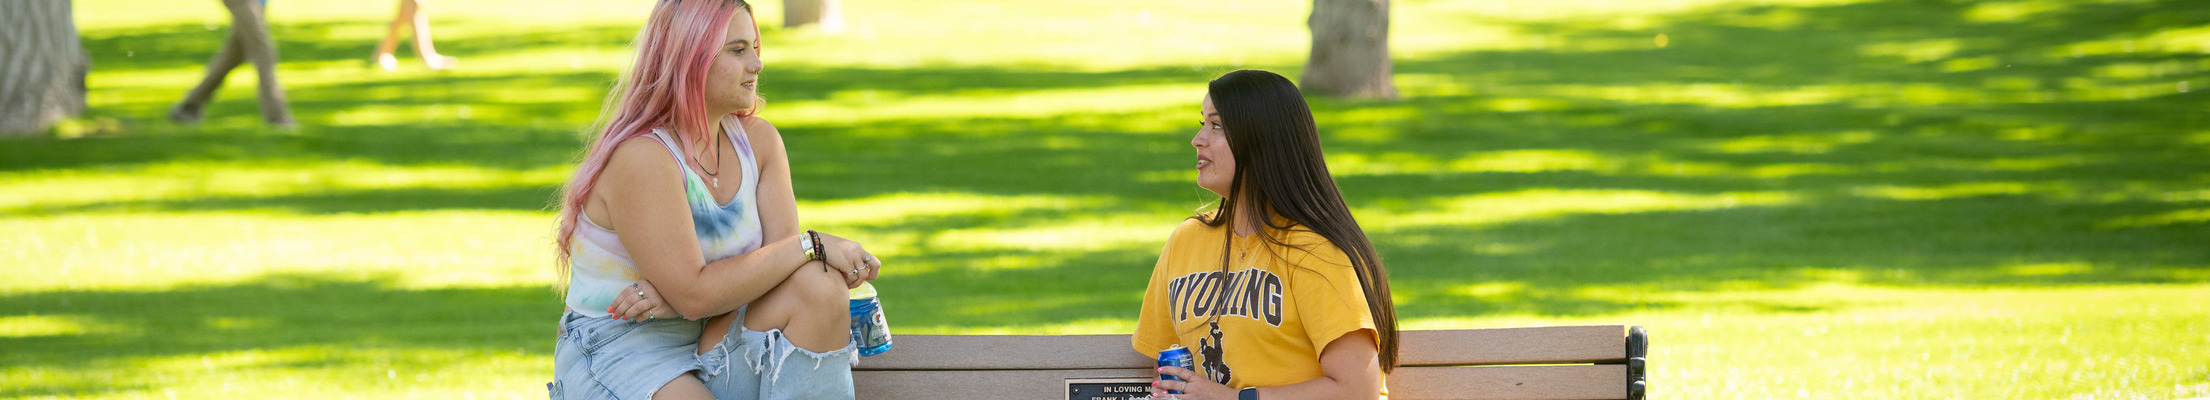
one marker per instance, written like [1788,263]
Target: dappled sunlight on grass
[902,224]
[895,208]
[110,251]
[28,326]
[2181,217]
[311,334]
[331,371]
[1078,234]
[1600,9]
[2103,192]
[2011,11]
[185,181]
[1079,37]
[1497,161]
[863,106]
[1498,208]
[1911,343]
[1490,291]
[2178,41]
[2048,269]
[1932,350]
[1556,160]
[1966,190]
[1793,143]
[1913,51]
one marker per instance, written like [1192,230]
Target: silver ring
[649,318]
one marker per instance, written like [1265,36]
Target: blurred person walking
[249,40]
[411,13]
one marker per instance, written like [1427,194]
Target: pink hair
[665,89]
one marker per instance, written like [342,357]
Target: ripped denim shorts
[604,358]
[749,364]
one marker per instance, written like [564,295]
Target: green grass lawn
[1800,198]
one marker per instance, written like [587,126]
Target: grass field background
[1800,198]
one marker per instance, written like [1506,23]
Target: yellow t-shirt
[1284,305]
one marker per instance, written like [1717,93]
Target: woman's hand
[850,258]
[1193,386]
[640,303]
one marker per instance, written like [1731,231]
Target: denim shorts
[605,358]
[749,364]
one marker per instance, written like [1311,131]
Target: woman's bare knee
[825,290]
[821,319]
[807,292]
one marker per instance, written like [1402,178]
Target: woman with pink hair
[678,287]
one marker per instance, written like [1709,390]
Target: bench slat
[1528,382]
[1493,346]
[1497,346]
[980,352]
[1546,382]
[994,384]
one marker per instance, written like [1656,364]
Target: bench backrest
[1552,362]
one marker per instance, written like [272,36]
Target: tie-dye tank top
[600,268]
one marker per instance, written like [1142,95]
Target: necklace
[713,174]
[1242,250]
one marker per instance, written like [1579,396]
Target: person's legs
[384,56]
[194,104]
[424,46]
[792,343]
[812,307]
[254,41]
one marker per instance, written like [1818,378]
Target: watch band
[1247,394]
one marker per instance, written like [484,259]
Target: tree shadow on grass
[191,45]
[271,312]
[351,201]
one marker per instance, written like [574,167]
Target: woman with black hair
[1277,292]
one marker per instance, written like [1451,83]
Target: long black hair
[1277,157]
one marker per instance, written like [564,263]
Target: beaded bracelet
[818,253]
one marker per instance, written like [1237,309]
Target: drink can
[1179,357]
[870,331]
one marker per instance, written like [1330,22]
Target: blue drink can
[870,331]
[1178,357]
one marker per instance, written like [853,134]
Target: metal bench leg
[1638,351]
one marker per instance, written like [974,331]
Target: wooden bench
[1551,362]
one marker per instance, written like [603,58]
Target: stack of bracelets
[814,252]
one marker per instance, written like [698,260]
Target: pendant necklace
[1242,251]
[713,174]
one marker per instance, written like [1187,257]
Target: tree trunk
[1350,50]
[42,65]
[826,13]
